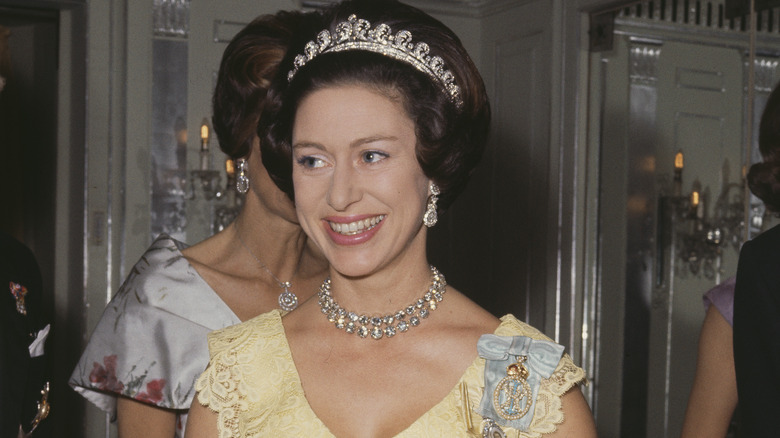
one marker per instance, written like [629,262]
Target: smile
[357,227]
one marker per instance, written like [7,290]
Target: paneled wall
[675,80]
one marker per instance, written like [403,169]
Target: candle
[230,168]
[204,135]
[204,145]
[678,168]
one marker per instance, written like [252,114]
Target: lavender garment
[722,296]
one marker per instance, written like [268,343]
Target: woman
[378,134]
[757,293]
[150,344]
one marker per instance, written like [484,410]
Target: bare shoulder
[456,326]
[467,314]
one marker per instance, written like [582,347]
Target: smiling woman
[377,124]
[356,163]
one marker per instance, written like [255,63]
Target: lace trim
[222,387]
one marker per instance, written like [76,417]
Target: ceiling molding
[467,8]
[464,8]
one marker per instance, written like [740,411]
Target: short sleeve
[150,343]
[722,297]
[548,413]
[236,378]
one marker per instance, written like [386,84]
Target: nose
[344,189]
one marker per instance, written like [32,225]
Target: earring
[431,216]
[242,180]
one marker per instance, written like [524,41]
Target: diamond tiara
[357,34]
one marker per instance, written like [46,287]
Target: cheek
[305,196]
[411,191]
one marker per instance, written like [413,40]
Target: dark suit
[21,376]
[757,335]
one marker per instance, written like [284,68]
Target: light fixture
[205,180]
[699,238]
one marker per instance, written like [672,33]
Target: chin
[353,267]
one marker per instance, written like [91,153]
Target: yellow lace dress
[252,384]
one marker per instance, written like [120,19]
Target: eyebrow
[355,143]
[306,144]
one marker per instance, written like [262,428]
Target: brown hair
[450,140]
[248,66]
[764,177]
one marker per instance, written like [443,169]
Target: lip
[352,239]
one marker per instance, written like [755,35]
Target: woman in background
[150,344]
[384,119]
[757,294]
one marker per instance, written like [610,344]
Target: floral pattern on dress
[103,376]
[150,343]
[153,393]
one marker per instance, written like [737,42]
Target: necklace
[388,325]
[287,299]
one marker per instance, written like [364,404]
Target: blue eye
[373,156]
[311,162]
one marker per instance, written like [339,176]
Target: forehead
[350,111]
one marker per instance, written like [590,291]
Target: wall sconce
[205,179]
[699,238]
[205,183]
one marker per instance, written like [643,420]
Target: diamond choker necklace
[388,325]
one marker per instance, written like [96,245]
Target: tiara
[357,34]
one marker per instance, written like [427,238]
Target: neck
[382,292]
[276,242]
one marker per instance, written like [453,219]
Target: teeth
[357,226]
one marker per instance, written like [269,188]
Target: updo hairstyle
[248,66]
[764,177]
[450,140]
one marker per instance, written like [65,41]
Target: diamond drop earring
[431,216]
[242,180]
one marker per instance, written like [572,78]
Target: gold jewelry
[511,390]
[356,34]
[43,408]
[394,323]
[288,301]
[431,216]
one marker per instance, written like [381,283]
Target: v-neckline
[477,362]
[180,246]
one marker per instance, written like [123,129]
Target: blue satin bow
[502,351]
